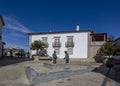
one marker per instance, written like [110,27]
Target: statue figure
[54,57]
[66,57]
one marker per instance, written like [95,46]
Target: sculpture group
[66,58]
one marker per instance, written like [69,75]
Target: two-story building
[80,44]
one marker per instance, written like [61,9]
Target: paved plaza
[12,73]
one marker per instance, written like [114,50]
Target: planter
[36,58]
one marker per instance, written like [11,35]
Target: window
[44,39]
[70,50]
[70,39]
[57,39]
[56,42]
[57,50]
[69,42]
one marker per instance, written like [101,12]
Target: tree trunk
[37,51]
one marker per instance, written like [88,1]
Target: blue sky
[23,16]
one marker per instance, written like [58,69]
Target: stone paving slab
[86,79]
[13,75]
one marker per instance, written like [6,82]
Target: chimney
[77,27]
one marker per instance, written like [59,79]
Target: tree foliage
[18,50]
[21,51]
[14,49]
[109,47]
[37,45]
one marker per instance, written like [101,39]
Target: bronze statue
[66,57]
[54,57]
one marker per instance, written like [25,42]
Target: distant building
[80,44]
[7,52]
[13,52]
[1,43]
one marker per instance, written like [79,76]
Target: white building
[80,44]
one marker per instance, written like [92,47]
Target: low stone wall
[37,58]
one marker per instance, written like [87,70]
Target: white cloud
[14,34]
[15,31]
[12,23]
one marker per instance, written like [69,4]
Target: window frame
[57,50]
[70,50]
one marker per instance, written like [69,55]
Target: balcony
[56,44]
[69,44]
[46,44]
[97,42]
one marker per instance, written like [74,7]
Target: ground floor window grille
[70,50]
[57,51]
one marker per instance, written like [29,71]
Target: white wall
[80,49]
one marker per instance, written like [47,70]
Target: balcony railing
[97,42]
[46,44]
[56,44]
[69,44]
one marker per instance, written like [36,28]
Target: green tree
[37,45]
[14,49]
[21,51]
[109,47]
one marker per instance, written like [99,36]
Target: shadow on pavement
[8,60]
[109,72]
